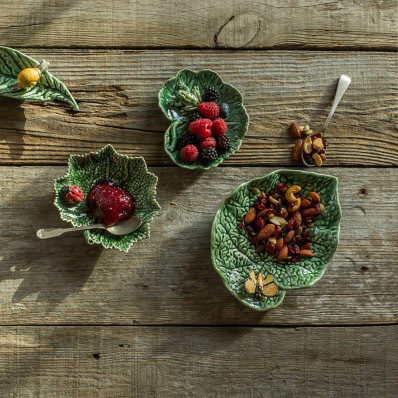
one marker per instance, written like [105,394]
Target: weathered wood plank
[117,92]
[198,362]
[240,24]
[168,279]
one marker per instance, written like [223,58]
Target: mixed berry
[205,139]
[280,222]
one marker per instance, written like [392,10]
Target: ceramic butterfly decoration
[261,287]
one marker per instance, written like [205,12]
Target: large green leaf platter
[178,98]
[130,173]
[48,88]
[234,256]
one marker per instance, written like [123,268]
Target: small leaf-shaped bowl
[234,256]
[237,121]
[130,173]
[48,88]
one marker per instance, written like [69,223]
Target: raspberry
[208,154]
[189,153]
[219,127]
[223,144]
[211,94]
[208,142]
[209,110]
[201,127]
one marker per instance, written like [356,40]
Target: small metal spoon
[342,86]
[121,228]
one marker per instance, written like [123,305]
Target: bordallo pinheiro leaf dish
[45,87]
[107,168]
[234,255]
[180,100]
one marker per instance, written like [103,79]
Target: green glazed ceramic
[130,173]
[233,255]
[48,88]
[178,98]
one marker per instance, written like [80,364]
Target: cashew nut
[297,205]
[273,200]
[289,194]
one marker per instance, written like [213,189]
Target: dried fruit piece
[307,146]
[318,159]
[266,232]
[250,216]
[295,130]
[317,144]
[297,149]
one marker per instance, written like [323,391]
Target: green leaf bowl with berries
[179,99]
[130,173]
[234,256]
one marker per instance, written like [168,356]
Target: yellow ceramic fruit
[28,77]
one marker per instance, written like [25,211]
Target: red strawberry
[201,127]
[209,141]
[209,110]
[189,153]
[219,127]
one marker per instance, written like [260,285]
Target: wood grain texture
[356,24]
[129,362]
[117,92]
[168,278]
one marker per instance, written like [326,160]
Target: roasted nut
[297,149]
[306,253]
[273,200]
[263,213]
[321,207]
[310,212]
[299,231]
[317,158]
[306,128]
[290,235]
[308,132]
[295,130]
[317,144]
[305,204]
[278,221]
[315,197]
[298,220]
[283,253]
[279,244]
[283,212]
[271,215]
[250,216]
[289,194]
[272,240]
[307,146]
[266,232]
[296,206]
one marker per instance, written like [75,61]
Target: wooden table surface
[79,321]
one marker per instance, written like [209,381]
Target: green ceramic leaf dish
[233,255]
[196,83]
[48,88]
[130,173]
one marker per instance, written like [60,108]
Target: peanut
[279,244]
[289,194]
[266,232]
[315,197]
[290,235]
[283,253]
[310,212]
[250,216]
[297,149]
[306,253]
[296,206]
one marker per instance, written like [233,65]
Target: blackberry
[211,94]
[187,138]
[195,116]
[208,154]
[223,144]
[224,110]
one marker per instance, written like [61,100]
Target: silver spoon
[342,86]
[120,228]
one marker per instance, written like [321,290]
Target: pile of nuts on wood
[280,223]
[313,147]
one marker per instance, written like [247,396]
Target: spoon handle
[342,86]
[53,232]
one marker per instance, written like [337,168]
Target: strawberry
[201,127]
[208,142]
[189,153]
[219,127]
[209,110]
